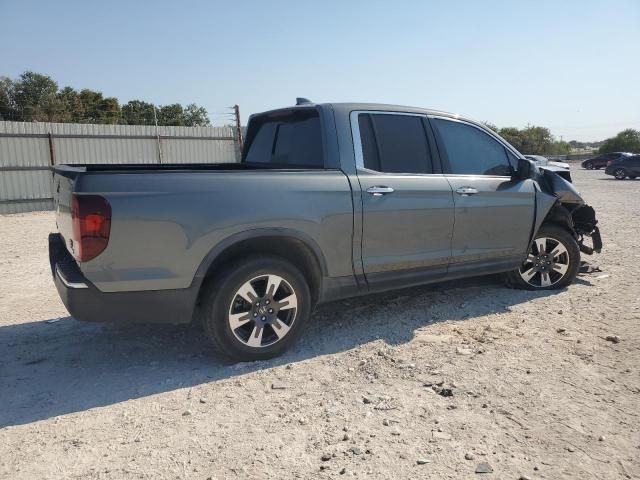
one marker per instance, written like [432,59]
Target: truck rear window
[289,139]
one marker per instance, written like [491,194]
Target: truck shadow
[61,366]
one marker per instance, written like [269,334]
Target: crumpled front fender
[558,201]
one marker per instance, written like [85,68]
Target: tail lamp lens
[91,217]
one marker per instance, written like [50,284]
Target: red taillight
[609,162]
[91,217]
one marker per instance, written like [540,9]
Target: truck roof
[352,106]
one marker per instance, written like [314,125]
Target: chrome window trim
[357,142]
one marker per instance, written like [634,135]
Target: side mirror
[524,170]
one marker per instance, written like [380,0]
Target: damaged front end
[559,202]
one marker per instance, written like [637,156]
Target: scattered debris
[463,351]
[186,413]
[53,320]
[561,330]
[444,392]
[356,450]
[325,457]
[366,400]
[423,461]
[469,456]
[484,467]
[587,268]
[278,386]
[612,338]
[441,435]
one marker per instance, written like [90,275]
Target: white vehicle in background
[561,168]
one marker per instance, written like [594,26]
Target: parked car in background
[623,167]
[602,161]
[560,168]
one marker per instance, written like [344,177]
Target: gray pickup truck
[328,201]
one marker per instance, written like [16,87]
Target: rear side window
[394,143]
[471,151]
[293,139]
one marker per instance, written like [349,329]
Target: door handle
[379,190]
[466,191]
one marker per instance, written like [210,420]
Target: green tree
[513,136]
[72,109]
[137,112]
[91,104]
[171,115]
[34,95]
[195,116]
[109,111]
[626,141]
[7,105]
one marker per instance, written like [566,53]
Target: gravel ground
[431,382]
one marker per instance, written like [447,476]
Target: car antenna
[303,101]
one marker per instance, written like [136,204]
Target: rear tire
[256,309]
[588,166]
[552,262]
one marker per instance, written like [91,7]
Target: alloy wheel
[546,264]
[263,311]
[620,174]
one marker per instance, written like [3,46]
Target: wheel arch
[550,210]
[291,245]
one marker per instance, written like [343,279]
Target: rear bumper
[85,302]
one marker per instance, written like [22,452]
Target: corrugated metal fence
[28,150]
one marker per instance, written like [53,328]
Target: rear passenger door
[494,213]
[407,204]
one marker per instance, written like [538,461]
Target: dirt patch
[461,380]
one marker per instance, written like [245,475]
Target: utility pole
[236,111]
[155,119]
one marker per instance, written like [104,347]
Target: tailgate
[63,184]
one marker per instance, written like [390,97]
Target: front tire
[256,309]
[588,166]
[620,174]
[552,262]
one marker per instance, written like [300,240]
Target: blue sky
[571,65]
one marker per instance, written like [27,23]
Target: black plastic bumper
[85,302]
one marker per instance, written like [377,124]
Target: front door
[494,213]
[407,208]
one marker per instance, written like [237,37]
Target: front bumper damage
[558,201]
[585,225]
